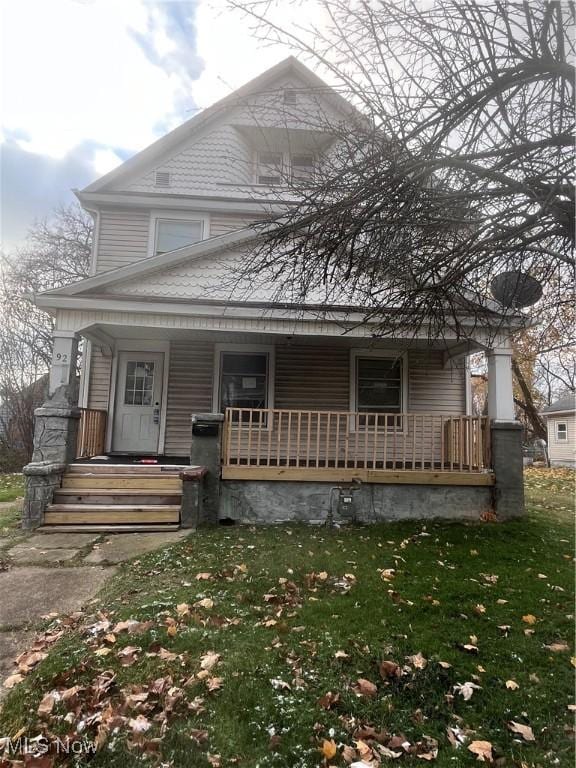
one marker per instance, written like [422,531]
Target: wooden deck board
[406,477]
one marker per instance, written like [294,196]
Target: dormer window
[269,168]
[272,168]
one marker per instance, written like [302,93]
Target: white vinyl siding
[123,238]
[562,451]
[99,381]
[189,391]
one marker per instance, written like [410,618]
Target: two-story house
[312,402]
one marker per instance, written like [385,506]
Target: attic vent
[289,96]
[162,179]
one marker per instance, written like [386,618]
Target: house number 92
[61,357]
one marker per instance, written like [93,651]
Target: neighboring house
[312,400]
[561,425]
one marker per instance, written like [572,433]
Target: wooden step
[111,516]
[132,496]
[105,529]
[127,469]
[120,481]
[113,507]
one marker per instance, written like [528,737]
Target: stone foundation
[261,501]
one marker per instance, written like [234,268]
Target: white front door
[138,404]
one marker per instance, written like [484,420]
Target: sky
[85,84]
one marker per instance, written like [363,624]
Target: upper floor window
[302,167]
[174,230]
[561,430]
[269,168]
[272,168]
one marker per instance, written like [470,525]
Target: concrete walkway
[59,573]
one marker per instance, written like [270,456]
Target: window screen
[176,233]
[378,385]
[243,380]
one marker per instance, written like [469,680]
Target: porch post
[506,435]
[55,430]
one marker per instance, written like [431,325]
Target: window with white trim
[170,234]
[378,386]
[269,167]
[272,168]
[561,431]
[244,381]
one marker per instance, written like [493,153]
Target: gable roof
[565,404]
[172,140]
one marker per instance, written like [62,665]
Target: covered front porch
[317,409]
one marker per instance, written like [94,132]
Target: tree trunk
[528,406]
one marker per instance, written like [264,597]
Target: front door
[138,402]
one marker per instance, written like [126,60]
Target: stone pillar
[55,431]
[508,467]
[191,513]
[505,435]
[205,451]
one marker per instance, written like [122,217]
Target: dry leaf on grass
[482,750]
[557,647]
[466,689]
[329,749]
[522,730]
[512,685]
[364,687]
[13,680]
[529,618]
[47,704]
[209,660]
[389,669]
[418,661]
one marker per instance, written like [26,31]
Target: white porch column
[64,359]
[500,387]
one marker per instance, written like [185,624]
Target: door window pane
[139,383]
[176,233]
[243,380]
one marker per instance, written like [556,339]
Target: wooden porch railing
[91,433]
[335,439]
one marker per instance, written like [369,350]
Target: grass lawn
[11,487]
[250,645]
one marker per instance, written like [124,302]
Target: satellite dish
[515,289]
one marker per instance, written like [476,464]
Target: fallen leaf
[466,689]
[209,660]
[329,749]
[512,685]
[139,724]
[205,603]
[341,655]
[204,576]
[479,609]
[13,680]
[198,735]
[529,618]
[329,700]
[46,705]
[522,730]
[389,669]
[364,687]
[482,750]
[557,647]
[280,685]
[444,665]
[418,661]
